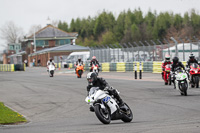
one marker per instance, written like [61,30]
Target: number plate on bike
[106,99]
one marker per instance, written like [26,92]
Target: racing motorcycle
[181,81]
[194,75]
[167,75]
[51,70]
[106,107]
[79,70]
[95,68]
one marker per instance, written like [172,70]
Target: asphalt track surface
[57,105]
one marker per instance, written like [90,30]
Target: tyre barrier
[12,67]
[150,66]
[157,68]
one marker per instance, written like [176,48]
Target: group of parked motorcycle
[182,79]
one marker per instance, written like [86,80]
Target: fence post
[138,50]
[155,50]
[175,45]
[168,45]
[198,45]
[142,48]
[183,48]
[190,44]
[149,49]
[132,50]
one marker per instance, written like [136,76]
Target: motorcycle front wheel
[169,80]
[184,89]
[102,114]
[128,115]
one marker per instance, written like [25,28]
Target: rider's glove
[106,88]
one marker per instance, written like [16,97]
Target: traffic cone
[59,68]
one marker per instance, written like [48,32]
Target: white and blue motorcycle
[106,107]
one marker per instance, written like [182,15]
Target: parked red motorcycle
[194,75]
[167,75]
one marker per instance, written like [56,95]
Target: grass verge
[8,116]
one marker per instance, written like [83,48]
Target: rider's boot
[121,102]
[174,85]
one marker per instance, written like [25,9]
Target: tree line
[131,26]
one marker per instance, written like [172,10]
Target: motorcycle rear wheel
[128,115]
[103,116]
[80,73]
[196,81]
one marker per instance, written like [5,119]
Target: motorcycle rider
[50,62]
[164,63]
[176,63]
[94,81]
[78,62]
[94,61]
[191,60]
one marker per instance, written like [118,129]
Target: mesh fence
[146,52]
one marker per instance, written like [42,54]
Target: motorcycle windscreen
[194,65]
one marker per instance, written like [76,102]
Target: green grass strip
[8,116]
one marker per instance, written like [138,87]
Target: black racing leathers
[189,62]
[179,64]
[102,84]
[94,61]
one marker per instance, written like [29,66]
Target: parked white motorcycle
[106,107]
[51,70]
[181,81]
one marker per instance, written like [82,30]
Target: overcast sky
[25,13]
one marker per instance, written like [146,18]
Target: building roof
[53,32]
[14,44]
[18,54]
[62,48]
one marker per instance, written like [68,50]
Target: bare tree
[55,23]
[35,28]
[11,33]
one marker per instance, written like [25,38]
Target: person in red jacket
[164,63]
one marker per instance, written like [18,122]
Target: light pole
[34,41]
